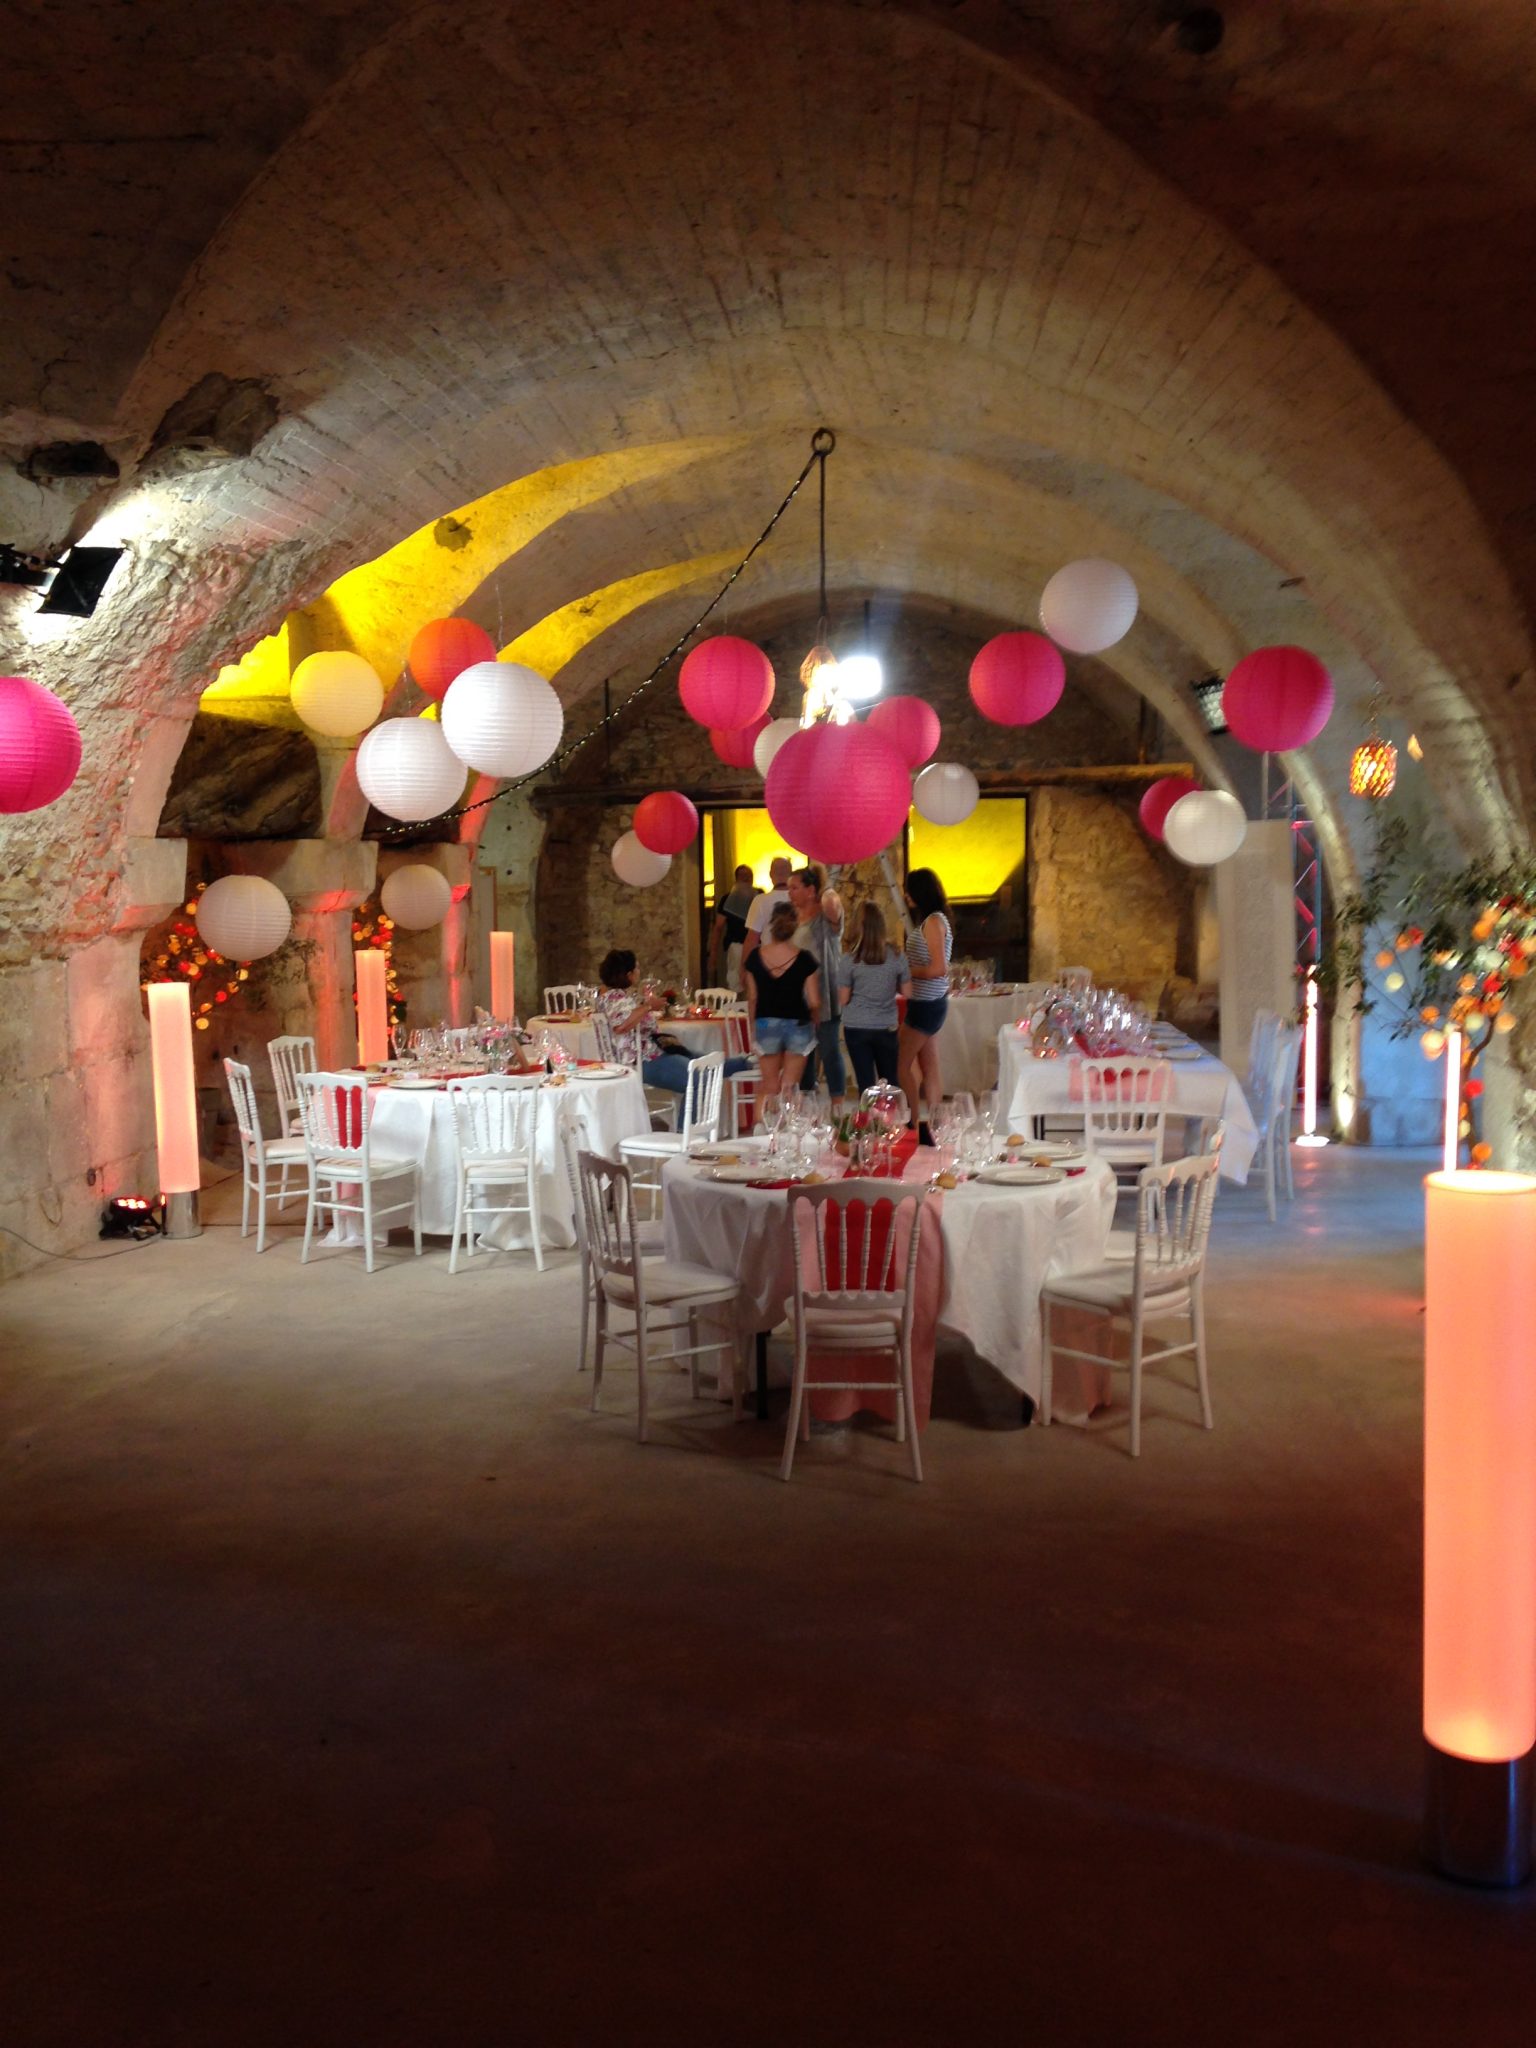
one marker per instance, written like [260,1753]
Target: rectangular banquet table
[998,1246]
[1201,1086]
[417,1123]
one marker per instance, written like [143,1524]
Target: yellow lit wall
[976,857]
[749,836]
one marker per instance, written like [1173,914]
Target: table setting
[412,1118]
[1040,1068]
[994,1241]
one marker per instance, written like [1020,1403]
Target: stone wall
[1101,895]
[1098,891]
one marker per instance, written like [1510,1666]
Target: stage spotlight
[79,581]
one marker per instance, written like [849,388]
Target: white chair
[716,999]
[1272,1115]
[1164,1279]
[290,1057]
[1125,1107]
[1204,1137]
[337,1112]
[699,1124]
[1262,1034]
[1078,979]
[607,1043]
[649,1234]
[258,1153]
[860,1300]
[563,998]
[742,1088]
[648,1289]
[495,1146]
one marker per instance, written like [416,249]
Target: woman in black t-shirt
[783,1001]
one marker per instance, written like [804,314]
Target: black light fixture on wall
[79,581]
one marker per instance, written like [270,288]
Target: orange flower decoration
[1482,1153]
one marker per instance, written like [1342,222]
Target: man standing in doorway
[730,929]
[764,906]
[820,933]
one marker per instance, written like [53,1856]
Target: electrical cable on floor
[91,1258]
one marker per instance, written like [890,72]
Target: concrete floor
[361,1687]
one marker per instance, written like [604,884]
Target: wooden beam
[994,782]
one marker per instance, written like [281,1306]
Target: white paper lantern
[502,718]
[416,896]
[946,793]
[636,864]
[337,694]
[408,771]
[1205,827]
[243,917]
[1088,605]
[769,741]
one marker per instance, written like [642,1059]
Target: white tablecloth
[999,1244]
[699,1034]
[968,1042]
[417,1123]
[1198,1087]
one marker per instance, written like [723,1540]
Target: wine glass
[770,1114]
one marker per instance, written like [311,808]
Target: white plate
[604,1073]
[414,1081]
[1021,1176]
[1042,1148]
[1194,1053]
[738,1175]
[743,1148]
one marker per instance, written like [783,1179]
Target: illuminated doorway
[981,863]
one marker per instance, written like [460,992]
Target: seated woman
[873,974]
[783,1002]
[634,1017]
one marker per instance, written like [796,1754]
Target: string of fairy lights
[823,441]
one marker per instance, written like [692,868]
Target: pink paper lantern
[911,726]
[726,683]
[1017,678]
[1277,698]
[443,649]
[735,748]
[39,745]
[838,792]
[1158,800]
[665,821]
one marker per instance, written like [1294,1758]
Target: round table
[579,1037]
[968,1042]
[998,1245]
[417,1123]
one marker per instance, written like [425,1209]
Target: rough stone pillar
[77,1122]
[1256,915]
[433,966]
[324,880]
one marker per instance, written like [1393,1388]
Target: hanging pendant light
[1373,765]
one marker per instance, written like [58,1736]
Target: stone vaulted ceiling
[1255,321]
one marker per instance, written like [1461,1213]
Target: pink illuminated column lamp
[1310,1135]
[503,977]
[1480,1523]
[1452,1147]
[170,1052]
[372,1007]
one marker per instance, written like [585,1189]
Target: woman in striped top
[928,952]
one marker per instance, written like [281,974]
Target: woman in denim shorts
[783,1001]
[928,953]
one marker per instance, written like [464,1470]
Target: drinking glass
[770,1115]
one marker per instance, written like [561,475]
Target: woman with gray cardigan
[874,974]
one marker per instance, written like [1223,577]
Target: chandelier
[833,688]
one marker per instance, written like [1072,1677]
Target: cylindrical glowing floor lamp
[1480,1523]
[1452,1142]
[1310,1135]
[503,983]
[170,1053]
[372,1006]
